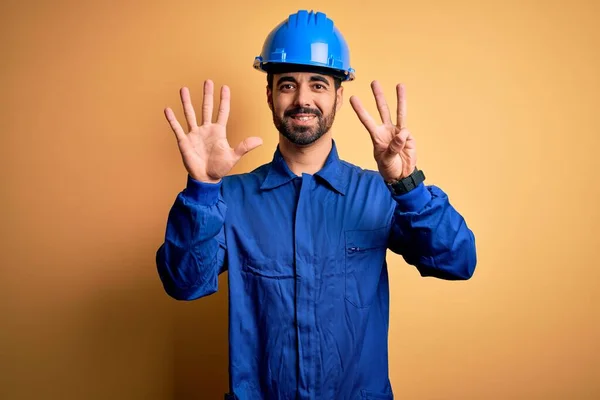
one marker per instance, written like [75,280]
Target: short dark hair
[281,69]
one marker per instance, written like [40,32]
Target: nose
[303,98]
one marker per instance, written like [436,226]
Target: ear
[270,97]
[340,97]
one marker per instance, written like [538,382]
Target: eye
[318,86]
[286,87]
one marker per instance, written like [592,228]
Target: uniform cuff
[415,200]
[202,193]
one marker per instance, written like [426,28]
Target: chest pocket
[365,255]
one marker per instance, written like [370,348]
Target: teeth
[304,118]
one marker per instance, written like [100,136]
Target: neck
[305,159]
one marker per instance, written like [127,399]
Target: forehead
[301,77]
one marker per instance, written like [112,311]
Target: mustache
[302,110]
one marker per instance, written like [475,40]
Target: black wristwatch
[407,184]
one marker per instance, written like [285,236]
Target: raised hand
[394,147]
[205,151]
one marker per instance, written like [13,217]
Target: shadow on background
[135,342]
[200,341]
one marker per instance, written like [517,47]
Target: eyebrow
[319,78]
[313,78]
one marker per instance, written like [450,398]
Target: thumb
[246,145]
[398,142]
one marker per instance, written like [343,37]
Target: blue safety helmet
[306,39]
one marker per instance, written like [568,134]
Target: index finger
[224,106]
[364,116]
[401,122]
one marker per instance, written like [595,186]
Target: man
[304,237]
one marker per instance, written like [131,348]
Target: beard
[304,135]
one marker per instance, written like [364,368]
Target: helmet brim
[282,68]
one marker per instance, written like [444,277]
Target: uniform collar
[280,174]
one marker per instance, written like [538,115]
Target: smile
[303,117]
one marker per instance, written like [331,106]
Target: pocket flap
[367,239]
[268,269]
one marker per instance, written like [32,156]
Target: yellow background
[502,99]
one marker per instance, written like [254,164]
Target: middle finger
[382,106]
[207,102]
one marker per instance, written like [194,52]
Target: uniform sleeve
[193,253]
[431,235]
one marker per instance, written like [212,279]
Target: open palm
[206,153]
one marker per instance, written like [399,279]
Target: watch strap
[405,185]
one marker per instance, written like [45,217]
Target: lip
[294,118]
